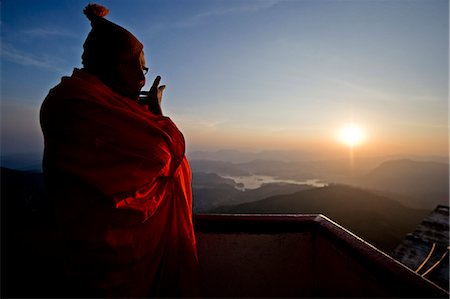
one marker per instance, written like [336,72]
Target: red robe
[121,187]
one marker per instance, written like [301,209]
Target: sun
[351,135]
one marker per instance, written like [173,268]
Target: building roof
[425,250]
[297,256]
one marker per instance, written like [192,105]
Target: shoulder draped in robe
[121,187]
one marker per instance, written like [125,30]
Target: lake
[255,181]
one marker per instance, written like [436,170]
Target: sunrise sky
[253,75]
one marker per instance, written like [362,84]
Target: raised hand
[154,97]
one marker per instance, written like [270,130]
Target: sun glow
[351,135]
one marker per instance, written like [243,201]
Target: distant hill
[28,264]
[297,170]
[425,183]
[218,167]
[211,191]
[22,161]
[242,156]
[236,156]
[22,192]
[369,172]
[377,219]
[208,180]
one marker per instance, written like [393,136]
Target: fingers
[161,88]
[156,83]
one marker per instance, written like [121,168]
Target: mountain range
[423,184]
[379,220]
[392,196]
[239,156]
[211,191]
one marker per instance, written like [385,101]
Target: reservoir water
[255,181]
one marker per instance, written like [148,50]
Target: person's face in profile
[130,76]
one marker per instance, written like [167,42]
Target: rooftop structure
[297,256]
[425,251]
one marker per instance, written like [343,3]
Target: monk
[116,173]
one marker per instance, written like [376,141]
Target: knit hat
[106,41]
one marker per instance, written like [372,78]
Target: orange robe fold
[121,186]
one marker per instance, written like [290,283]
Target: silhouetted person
[117,175]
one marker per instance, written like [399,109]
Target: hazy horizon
[31,161]
[253,75]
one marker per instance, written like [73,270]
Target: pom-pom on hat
[94,10]
[106,41]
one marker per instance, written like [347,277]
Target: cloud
[197,19]
[12,54]
[48,33]
[203,125]
[251,6]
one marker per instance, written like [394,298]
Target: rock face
[426,249]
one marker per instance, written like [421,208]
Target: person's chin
[131,95]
